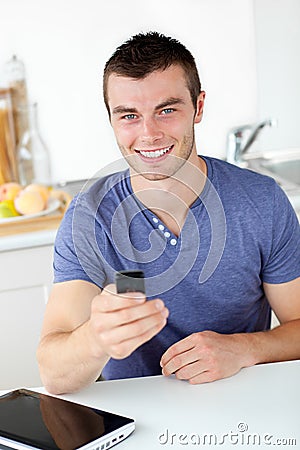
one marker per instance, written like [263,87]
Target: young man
[219,245]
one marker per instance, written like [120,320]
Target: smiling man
[219,245]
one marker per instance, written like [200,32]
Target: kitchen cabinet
[26,275]
[26,278]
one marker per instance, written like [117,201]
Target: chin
[154,176]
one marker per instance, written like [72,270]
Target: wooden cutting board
[47,222]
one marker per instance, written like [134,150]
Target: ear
[200,106]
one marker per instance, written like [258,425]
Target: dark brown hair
[142,54]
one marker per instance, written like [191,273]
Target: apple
[43,190]
[8,191]
[29,202]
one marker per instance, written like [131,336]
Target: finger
[181,361]
[112,289]
[182,346]
[115,318]
[109,300]
[192,370]
[134,313]
[206,376]
[134,329]
[126,347]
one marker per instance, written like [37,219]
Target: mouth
[154,154]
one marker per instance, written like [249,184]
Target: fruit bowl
[53,205]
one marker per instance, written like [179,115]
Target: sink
[283,166]
[287,170]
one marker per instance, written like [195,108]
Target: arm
[208,356]
[83,327]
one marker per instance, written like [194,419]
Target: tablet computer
[30,420]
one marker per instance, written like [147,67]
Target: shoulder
[94,197]
[248,194]
[109,186]
[94,194]
[236,183]
[223,170]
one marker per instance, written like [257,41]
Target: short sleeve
[283,263]
[74,257]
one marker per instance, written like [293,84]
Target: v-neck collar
[157,223]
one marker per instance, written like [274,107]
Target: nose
[151,131]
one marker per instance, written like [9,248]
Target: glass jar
[15,75]
[33,156]
[8,159]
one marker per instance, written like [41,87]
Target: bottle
[33,156]
[8,159]
[14,71]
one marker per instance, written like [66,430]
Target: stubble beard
[161,171]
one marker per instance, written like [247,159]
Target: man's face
[153,119]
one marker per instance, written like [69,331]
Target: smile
[155,153]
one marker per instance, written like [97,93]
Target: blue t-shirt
[241,231]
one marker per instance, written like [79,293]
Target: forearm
[67,362]
[279,344]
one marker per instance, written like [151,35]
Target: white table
[252,409]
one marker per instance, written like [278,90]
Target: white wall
[65,45]
[278,63]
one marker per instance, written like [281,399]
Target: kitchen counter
[27,240]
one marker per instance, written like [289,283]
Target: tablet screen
[48,423]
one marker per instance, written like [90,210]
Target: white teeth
[156,153]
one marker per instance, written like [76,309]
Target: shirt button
[173,242]
[155,220]
[161,227]
[167,234]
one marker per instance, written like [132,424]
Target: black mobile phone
[130,281]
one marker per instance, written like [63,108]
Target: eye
[167,111]
[129,116]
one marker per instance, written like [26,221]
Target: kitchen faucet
[238,145]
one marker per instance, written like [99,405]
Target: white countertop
[259,405]
[27,240]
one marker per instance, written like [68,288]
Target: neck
[170,198]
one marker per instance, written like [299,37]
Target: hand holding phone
[130,281]
[119,334]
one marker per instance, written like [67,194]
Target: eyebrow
[171,101]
